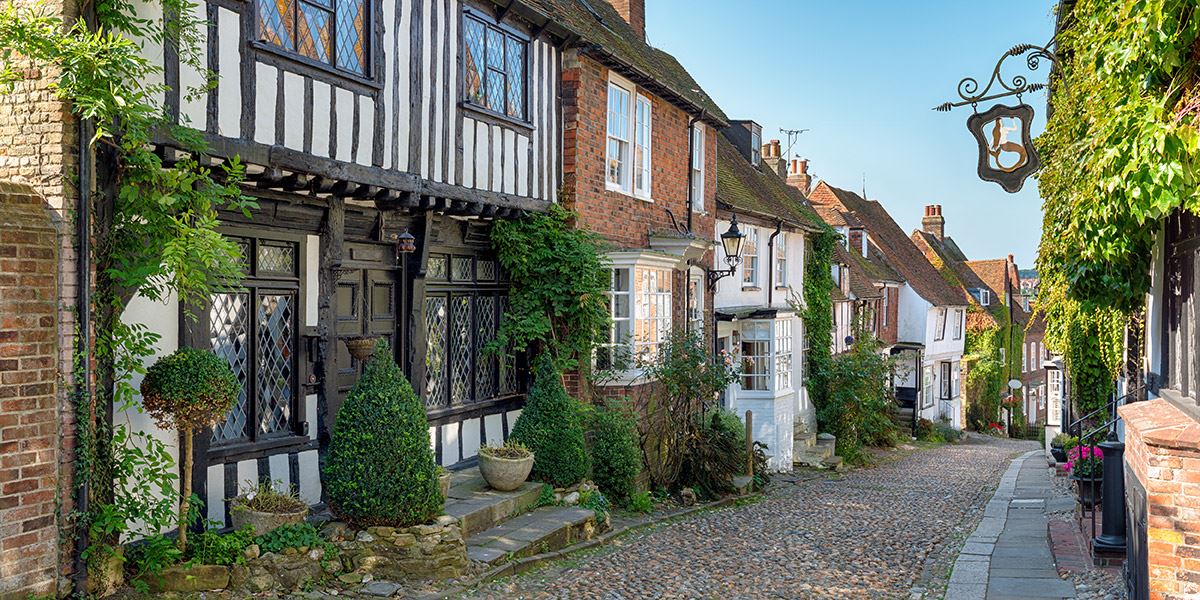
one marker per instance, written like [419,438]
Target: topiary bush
[551,426]
[715,455]
[380,469]
[186,390]
[616,457]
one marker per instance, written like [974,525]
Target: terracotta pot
[263,522]
[505,474]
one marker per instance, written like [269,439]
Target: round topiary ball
[381,469]
[189,388]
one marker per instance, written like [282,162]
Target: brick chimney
[634,13]
[771,157]
[798,176]
[933,222]
[858,240]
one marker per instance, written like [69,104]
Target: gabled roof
[979,317]
[994,272]
[900,251]
[759,190]
[860,283]
[606,36]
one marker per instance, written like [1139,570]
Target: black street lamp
[732,241]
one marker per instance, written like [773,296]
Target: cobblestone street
[872,533]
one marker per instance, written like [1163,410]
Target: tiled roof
[860,283]
[993,272]
[941,257]
[900,251]
[741,185]
[606,36]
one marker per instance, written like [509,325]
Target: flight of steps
[814,451]
[502,526]
[903,418]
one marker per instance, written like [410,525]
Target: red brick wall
[624,220]
[889,334]
[1162,448]
[29,408]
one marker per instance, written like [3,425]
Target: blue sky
[862,75]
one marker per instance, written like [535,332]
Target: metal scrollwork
[969,88]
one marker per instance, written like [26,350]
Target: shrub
[292,535]
[381,469]
[761,475]
[616,458]
[551,427]
[946,433]
[211,547]
[715,455]
[924,429]
[596,501]
[641,503]
[858,409]
[185,390]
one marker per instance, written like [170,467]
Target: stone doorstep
[479,507]
[544,530]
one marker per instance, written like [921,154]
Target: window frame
[696,289]
[631,119]
[510,33]
[958,324]
[782,355]
[762,337]
[781,259]
[646,165]
[696,177]
[750,267]
[639,352]
[755,146]
[328,72]
[947,382]
[939,325]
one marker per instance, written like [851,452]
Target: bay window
[783,355]
[629,153]
[696,301]
[756,355]
[639,302]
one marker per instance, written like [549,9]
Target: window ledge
[608,186]
[282,57]
[480,113]
[751,288]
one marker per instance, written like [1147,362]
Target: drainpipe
[771,263]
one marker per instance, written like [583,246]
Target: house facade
[758,306]
[639,167]
[361,125]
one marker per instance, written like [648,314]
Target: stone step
[817,461]
[544,529]
[803,439]
[479,507]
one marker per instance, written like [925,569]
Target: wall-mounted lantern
[732,241]
[405,243]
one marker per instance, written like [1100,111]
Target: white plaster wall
[912,314]
[161,318]
[947,348]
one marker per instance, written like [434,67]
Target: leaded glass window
[254,329]
[463,312]
[494,72]
[332,32]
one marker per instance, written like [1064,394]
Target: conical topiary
[381,469]
[551,427]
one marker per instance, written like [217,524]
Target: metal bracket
[968,87]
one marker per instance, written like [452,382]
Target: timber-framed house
[361,121]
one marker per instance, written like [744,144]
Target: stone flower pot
[1086,493]
[262,522]
[444,484]
[504,474]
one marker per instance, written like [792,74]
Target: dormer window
[982,295]
[755,146]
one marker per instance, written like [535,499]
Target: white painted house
[757,306]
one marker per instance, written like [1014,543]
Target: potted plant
[1085,463]
[444,481]
[186,390]
[505,467]
[1060,445]
[263,508]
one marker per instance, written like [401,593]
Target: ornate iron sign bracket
[1001,159]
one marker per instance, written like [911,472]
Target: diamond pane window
[435,352]
[277,257]
[508,370]
[461,350]
[485,371]
[437,267]
[494,73]
[460,269]
[486,270]
[274,364]
[333,32]
[228,321]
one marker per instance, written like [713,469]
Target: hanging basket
[361,347]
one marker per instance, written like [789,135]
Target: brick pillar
[30,423]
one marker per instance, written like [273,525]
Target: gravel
[873,533]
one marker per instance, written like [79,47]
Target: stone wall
[29,407]
[1162,450]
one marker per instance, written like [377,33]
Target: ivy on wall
[992,357]
[1120,153]
[817,313]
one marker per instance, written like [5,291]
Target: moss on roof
[609,38]
[741,185]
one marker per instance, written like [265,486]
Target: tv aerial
[792,136]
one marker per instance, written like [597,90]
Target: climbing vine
[817,313]
[558,302]
[1120,153]
[154,226]
[992,356]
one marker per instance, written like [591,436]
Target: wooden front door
[367,303]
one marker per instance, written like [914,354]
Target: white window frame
[783,355]
[697,174]
[781,258]
[696,289]
[750,266]
[887,301]
[620,334]
[651,311]
[755,147]
[755,335]
[643,144]
[939,326]
[958,324]
[633,144]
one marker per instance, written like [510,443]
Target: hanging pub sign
[1006,152]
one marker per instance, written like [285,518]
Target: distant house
[757,307]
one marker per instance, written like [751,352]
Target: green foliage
[944,432]
[558,302]
[189,388]
[924,429]
[294,535]
[641,502]
[762,476]
[152,555]
[616,457]
[551,425]
[859,406]
[596,501]
[510,449]
[687,377]
[992,356]
[715,454]
[380,469]
[266,497]
[215,548]
[546,497]
[817,312]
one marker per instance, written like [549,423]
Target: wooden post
[750,443]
